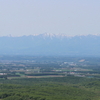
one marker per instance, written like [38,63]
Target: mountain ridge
[52,35]
[50,44]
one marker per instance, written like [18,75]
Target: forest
[60,88]
[47,78]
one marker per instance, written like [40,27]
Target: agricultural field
[49,78]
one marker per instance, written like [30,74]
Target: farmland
[46,78]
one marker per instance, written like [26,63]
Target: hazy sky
[70,17]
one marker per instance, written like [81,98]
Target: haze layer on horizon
[29,17]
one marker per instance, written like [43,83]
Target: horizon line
[51,35]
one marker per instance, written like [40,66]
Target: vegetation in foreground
[60,88]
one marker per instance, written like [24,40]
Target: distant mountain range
[51,45]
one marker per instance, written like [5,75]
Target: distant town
[41,67]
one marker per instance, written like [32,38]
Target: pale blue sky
[70,17]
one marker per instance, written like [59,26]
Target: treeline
[43,74]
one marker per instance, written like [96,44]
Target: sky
[68,17]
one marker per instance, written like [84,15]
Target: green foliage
[67,88]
